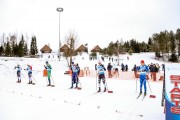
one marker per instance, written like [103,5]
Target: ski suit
[78,72]
[143,69]
[18,72]
[29,73]
[74,75]
[101,75]
[48,68]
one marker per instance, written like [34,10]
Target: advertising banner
[172,91]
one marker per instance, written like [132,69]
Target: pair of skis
[100,92]
[144,96]
[27,83]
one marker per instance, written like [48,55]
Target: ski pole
[79,83]
[96,80]
[34,79]
[24,77]
[149,86]
[136,85]
[53,82]
[151,96]
[46,81]
[109,91]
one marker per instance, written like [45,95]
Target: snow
[38,102]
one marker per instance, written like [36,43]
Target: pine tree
[155,44]
[21,47]
[167,42]
[178,40]
[16,50]
[1,50]
[143,46]
[7,49]
[173,47]
[33,48]
[25,49]
[127,46]
[149,47]
[110,50]
[135,46]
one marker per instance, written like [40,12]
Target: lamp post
[59,9]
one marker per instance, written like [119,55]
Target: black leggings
[101,77]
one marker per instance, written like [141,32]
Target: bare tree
[72,41]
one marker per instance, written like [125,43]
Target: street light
[59,10]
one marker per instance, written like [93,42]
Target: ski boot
[105,89]
[49,85]
[76,86]
[99,90]
[140,93]
[145,94]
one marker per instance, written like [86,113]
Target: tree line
[165,43]
[11,46]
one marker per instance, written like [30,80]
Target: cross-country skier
[143,70]
[78,71]
[74,75]
[18,67]
[29,69]
[48,68]
[101,76]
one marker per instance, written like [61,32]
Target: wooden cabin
[46,49]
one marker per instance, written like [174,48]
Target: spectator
[109,68]
[116,72]
[154,71]
[95,66]
[135,70]
[150,68]
[122,67]
[126,67]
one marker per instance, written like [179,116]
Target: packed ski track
[21,101]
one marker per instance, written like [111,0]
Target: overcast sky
[94,21]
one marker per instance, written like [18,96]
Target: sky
[96,22]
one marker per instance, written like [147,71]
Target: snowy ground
[38,102]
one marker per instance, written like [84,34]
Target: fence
[127,75]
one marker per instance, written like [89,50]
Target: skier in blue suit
[18,67]
[101,75]
[144,70]
[29,69]
[74,70]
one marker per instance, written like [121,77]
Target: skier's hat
[142,61]
[46,61]
[72,62]
[99,62]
